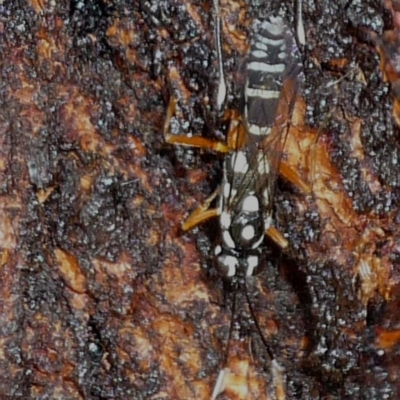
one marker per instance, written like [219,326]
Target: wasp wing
[272,147]
[273,71]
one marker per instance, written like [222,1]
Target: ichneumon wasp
[243,203]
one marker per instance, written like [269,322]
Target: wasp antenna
[222,85]
[301,35]
[278,377]
[257,325]
[220,385]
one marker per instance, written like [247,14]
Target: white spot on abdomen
[259,54]
[262,94]
[264,67]
[263,42]
[275,27]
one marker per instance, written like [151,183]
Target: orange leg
[237,134]
[194,141]
[277,237]
[197,141]
[294,177]
[202,213]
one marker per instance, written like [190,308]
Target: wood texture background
[101,295]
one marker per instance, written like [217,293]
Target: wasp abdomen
[273,56]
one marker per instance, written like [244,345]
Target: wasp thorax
[247,229]
[243,228]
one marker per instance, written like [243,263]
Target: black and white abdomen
[273,56]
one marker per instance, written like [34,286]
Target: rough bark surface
[102,296]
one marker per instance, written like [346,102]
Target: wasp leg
[294,177]
[199,216]
[277,237]
[230,114]
[194,141]
[202,213]
[237,135]
[197,141]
